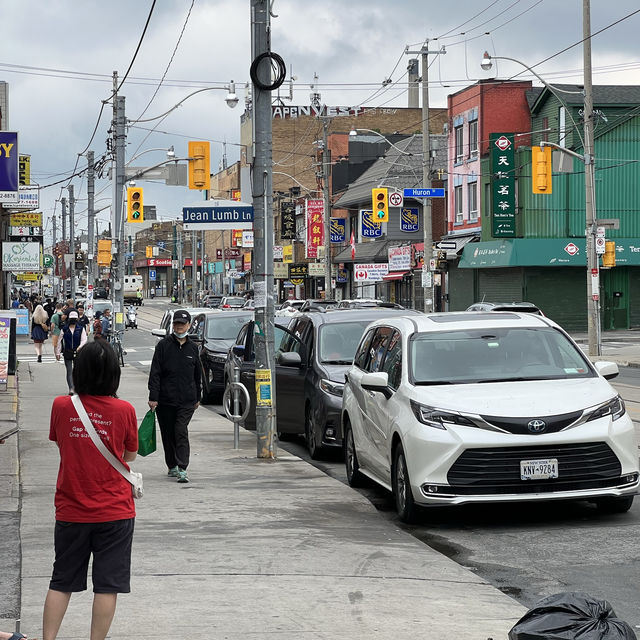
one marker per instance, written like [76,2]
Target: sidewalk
[249,548]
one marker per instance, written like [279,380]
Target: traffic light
[149,252]
[609,255]
[380,206]
[541,181]
[199,167]
[135,207]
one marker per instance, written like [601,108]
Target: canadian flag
[352,242]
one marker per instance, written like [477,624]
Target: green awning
[541,252]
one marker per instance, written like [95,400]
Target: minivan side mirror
[377,381]
[238,350]
[607,370]
[290,359]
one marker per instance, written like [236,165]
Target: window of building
[472,193]
[457,203]
[562,127]
[459,144]
[473,138]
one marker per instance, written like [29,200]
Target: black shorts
[110,545]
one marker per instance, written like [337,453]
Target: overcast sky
[74,46]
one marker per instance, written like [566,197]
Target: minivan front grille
[496,470]
[520,426]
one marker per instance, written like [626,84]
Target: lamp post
[593,265]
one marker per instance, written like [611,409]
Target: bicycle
[116,343]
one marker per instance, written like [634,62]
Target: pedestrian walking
[95,512]
[56,328]
[105,320]
[39,329]
[83,319]
[73,338]
[97,325]
[174,392]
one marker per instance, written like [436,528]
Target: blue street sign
[424,193]
[162,244]
[152,274]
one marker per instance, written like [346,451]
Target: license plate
[546,469]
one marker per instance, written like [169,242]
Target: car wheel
[405,504]
[354,477]
[310,435]
[614,505]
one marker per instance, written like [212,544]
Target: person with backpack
[73,337]
[97,325]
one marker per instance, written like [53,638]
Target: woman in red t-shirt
[95,513]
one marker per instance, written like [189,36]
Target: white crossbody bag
[131,476]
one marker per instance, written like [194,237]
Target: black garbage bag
[571,616]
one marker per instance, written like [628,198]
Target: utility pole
[326,172]
[263,226]
[427,276]
[54,252]
[180,267]
[119,140]
[91,191]
[65,246]
[72,241]
[593,264]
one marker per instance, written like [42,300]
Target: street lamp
[593,264]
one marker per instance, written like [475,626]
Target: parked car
[215,332]
[367,303]
[232,302]
[312,355]
[319,304]
[212,301]
[521,307]
[100,292]
[249,304]
[457,408]
[166,323]
[289,307]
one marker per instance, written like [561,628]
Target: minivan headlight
[332,388]
[437,418]
[614,407]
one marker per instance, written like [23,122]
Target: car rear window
[224,327]
[495,355]
[338,341]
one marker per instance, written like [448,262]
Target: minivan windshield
[225,327]
[337,342]
[495,355]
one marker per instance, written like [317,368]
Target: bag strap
[97,440]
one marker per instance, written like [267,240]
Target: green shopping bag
[147,434]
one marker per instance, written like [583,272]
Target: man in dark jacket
[174,392]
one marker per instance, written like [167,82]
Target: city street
[527,551]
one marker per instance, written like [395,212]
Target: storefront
[550,273]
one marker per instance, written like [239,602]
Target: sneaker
[173,473]
[39,358]
[182,476]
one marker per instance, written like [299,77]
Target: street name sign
[217,215]
[424,193]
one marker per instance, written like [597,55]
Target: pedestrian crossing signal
[135,207]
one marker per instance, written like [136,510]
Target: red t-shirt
[89,489]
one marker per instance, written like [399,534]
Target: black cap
[181,315]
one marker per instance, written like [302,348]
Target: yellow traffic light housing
[541,165]
[380,205]
[135,206]
[149,252]
[609,255]
[199,165]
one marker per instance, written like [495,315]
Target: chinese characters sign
[288,220]
[315,227]
[503,185]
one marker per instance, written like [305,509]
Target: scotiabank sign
[158,262]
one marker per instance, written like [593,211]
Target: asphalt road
[526,550]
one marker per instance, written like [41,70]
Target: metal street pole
[65,246]
[593,264]
[194,267]
[263,231]
[72,242]
[91,253]
[326,172]
[55,254]
[427,282]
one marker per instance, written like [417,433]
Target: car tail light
[226,306]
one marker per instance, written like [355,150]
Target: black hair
[96,370]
